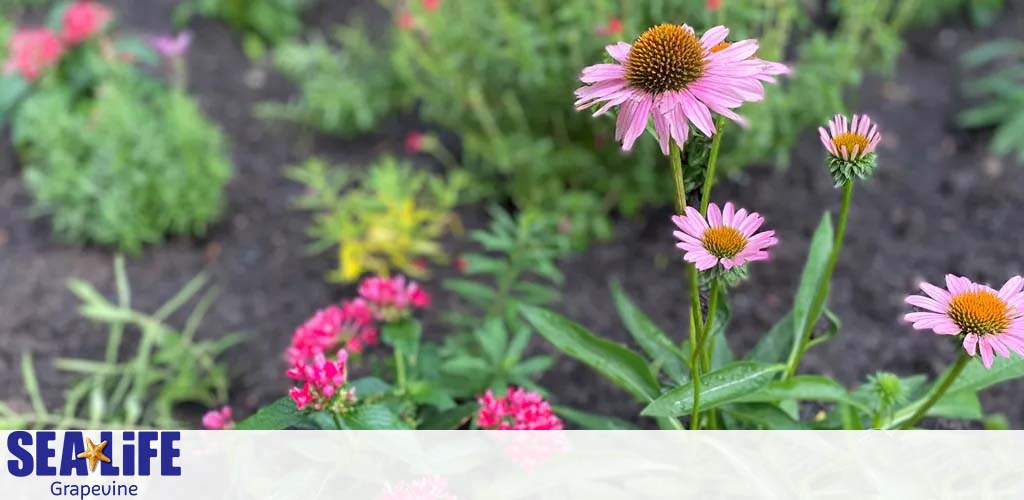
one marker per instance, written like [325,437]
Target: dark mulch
[940,203]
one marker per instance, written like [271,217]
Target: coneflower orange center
[666,57]
[723,242]
[980,312]
[850,140]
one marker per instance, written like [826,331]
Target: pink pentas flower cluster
[33,50]
[218,420]
[350,324]
[84,19]
[518,410]
[393,298]
[426,488]
[321,383]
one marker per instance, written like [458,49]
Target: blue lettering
[69,457]
[168,452]
[108,468]
[22,466]
[44,452]
[146,451]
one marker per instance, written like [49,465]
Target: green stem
[938,390]
[400,369]
[819,300]
[716,284]
[709,175]
[676,158]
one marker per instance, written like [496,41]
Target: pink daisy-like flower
[217,420]
[850,140]
[990,321]
[31,51]
[519,410]
[727,236]
[673,76]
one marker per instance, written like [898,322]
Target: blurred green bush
[263,23]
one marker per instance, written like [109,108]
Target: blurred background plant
[517,66]
[996,89]
[168,368]
[263,23]
[388,218]
[109,154]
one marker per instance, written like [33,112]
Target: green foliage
[344,92]
[517,266]
[998,93]
[262,22]
[387,219]
[503,77]
[123,168]
[141,389]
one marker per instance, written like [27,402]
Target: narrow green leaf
[281,414]
[976,377]
[774,346]
[617,363]
[28,375]
[962,405]
[368,387]
[651,339]
[591,421]
[812,276]
[727,384]
[493,339]
[805,388]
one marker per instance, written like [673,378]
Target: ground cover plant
[110,154]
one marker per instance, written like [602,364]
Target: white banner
[514,464]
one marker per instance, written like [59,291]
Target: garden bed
[939,203]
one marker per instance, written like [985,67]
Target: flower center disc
[980,312]
[666,57]
[723,242]
[850,140]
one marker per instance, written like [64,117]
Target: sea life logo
[76,454]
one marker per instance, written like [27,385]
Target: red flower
[714,5]
[431,5]
[460,264]
[33,50]
[613,27]
[414,142]
[83,20]
[406,21]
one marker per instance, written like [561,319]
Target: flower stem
[400,369]
[702,340]
[938,390]
[676,158]
[709,175]
[800,346]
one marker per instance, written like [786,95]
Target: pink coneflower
[392,298]
[83,19]
[727,236]
[989,320]
[350,324]
[31,51]
[322,383]
[673,76]
[218,420]
[519,410]
[172,46]
[851,147]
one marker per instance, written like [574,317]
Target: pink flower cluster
[218,420]
[519,410]
[427,488]
[322,383]
[393,298]
[33,50]
[350,323]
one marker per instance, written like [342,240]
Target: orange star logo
[94,453]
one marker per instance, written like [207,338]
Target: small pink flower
[673,77]
[988,320]
[612,27]
[519,410]
[217,420]
[31,51]
[427,488]
[84,19]
[406,21]
[351,324]
[414,142]
[726,237]
[431,5]
[322,383]
[714,5]
[850,141]
[172,46]
[393,298]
